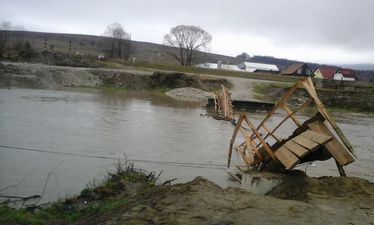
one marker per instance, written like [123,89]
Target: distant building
[325,73]
[219,65]
[244,66]
[299,69]
[258,67]
[207,65]
[345,74]
[335,74]
[230,67]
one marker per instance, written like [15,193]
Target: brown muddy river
[76,136]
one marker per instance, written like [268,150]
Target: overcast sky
[324,31]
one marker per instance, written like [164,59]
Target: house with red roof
[335,74]
[325,73]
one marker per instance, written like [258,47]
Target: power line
[174,163]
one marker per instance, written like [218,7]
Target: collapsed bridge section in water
[318,138]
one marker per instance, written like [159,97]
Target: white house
[345,74]
[258,67]
[207,65]
[244,66]
[218,65]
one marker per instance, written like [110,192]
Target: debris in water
[318,138]
[223,107]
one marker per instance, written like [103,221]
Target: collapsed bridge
[317,138]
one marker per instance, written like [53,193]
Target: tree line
[185,40]
[23,48]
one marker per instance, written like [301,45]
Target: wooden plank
[306,143]
[232,175]
[286,157]
[320,138]
[263,143]
[340,169]
[246,159]
[308,84]
[295,148]
[224,100]
[287,117]
[254,148]
[269,133]
[233,139]
[281,101]
[337,150]
[291,114]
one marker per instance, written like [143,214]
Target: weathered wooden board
[292,115]
[262,141]
[297,149]
[320,138]
[306,143]
[286,157]
[308,84]
[337,150]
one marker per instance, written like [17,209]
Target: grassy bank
[334,100]
[119,189]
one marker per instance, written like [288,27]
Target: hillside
[144,52]
[98,45]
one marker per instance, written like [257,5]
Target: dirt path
[243,88]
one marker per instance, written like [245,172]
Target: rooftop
[327,72]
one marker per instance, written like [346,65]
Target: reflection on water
[156,131]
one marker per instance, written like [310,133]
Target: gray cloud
[343,25]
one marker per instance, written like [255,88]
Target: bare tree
[187,40]
[119,36]
[5,26]
[244,56]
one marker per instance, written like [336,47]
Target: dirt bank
[324,201]
[46,77]
[24,75]
[130,196]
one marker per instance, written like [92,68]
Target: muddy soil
[324,200]
[189,94]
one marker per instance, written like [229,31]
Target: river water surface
[73,137]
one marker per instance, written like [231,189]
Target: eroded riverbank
[129,196]
[38,76]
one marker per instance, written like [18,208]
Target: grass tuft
[120,186]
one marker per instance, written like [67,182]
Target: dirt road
[242,88]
